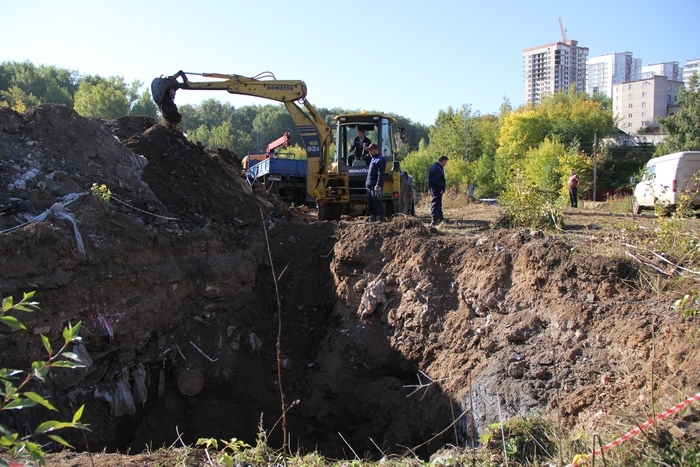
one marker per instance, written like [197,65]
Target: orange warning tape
[635,431]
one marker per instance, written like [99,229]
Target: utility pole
[595,164]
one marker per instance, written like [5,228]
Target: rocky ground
[390,331]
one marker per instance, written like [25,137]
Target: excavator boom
[313,129]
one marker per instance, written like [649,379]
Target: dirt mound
[390,331]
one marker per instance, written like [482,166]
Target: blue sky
[408,57]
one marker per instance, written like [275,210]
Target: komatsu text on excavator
[335,180]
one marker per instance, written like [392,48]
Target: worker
[574,182]
[359,148]
[375,184]
[437,185]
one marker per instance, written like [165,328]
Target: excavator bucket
[163,91]
[160,87]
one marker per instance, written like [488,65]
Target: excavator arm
[314,131]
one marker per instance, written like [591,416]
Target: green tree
[271,122]
[417,163]
[145,106]
[448,136]
[100,100]
[17,100]
[683,128]
[541,164]
[43,83]
[570,118]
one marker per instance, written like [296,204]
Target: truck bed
[280,167]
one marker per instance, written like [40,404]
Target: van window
[649,173]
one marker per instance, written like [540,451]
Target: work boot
[379,218]
[435,221]
[372,218]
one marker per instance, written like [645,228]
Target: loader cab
[377,128]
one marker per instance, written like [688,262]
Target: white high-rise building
[605,71]
[691,67]
[554,67]
[670,70]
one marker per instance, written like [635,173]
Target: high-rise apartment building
[670,70]
[554,67]
[605,71]
[691,67]
[640,103]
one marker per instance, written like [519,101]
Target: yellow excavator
[335,180]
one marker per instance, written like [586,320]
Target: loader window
[385,141]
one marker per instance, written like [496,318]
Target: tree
[448,136]
[145,106]
[570,118]
[17,100]
[100,101]
[683,128]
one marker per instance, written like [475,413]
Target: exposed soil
[173,285]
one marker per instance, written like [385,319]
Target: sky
[412,58]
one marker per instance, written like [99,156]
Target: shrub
[13,395]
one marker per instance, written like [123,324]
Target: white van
[665,179]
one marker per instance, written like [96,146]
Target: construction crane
[563,31]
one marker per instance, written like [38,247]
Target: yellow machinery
[337,186]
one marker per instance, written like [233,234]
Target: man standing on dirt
[437,185]
[574,182]
[375,184]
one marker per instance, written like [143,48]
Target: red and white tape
[635,431]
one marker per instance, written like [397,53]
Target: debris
[123,400]
[140,392]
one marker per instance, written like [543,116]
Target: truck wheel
[636,208]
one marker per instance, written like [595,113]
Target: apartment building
[670,70]
[605,71]
[549,68]
[691,67]
[639,104]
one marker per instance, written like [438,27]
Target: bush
[14,397]
[529,206]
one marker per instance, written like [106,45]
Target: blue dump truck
[284,178]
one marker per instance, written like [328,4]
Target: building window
[644,105]
[631,96]
[629,115]
[644,123]
[644,114]
[644,94]
[629,106]
[629,86]
[629,125]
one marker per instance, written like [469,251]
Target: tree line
[244,130]
[535,145]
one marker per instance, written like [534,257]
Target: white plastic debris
[123,400]
[371,297]
[82,353]
[138,374]
[59,211]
